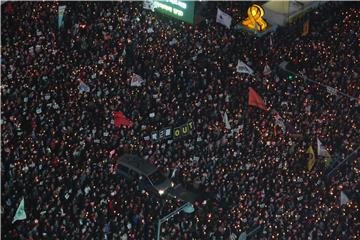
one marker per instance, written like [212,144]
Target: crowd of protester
[56,141]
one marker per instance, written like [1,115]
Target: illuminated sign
[254,19]
[175,133]
[178,9]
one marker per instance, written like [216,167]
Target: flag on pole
[136,80]
[306,28]
[321,150]
[243,236]
[223,18]
[328,161]
[149,4]
[275,130]
[267,70]
[226,121]
[61,12]
[290,128]
[107,37]
[173,42]
[83,87]
[173,174]
[311,159]
[331,90]
[120,119]
[343,198]
[279,122]
[9,8]
[112,152]
[255,100]
[233,236]
[20,212]
[241,67]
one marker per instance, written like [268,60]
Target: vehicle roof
[137,164]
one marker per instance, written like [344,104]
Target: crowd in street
[56,140]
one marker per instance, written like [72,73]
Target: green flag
[20,212]
[328,161]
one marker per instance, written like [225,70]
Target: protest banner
[175,133]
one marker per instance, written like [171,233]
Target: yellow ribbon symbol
[254,19]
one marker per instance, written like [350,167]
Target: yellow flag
[306,28]
[311,160]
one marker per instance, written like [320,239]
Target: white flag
[136,81]
[226,121]
[149,4]
[343,198]
[280,122]
[223,18]
[267,70]
[83,87]
[61,12]
[20,212]
[174,171]
[243,236]
[173,42]
[241,67]
[321,150]
[331,90]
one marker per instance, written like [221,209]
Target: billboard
[182,10]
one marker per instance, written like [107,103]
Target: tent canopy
[281,12]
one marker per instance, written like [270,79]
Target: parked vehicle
[151,179]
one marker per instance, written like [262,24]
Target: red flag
[112,152]
[9,9]
[107,37]
[275,130]
[120,119]
[256,100]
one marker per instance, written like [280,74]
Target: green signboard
[182,10]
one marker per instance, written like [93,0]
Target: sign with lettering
[331,90]
[182,10]
[175,133]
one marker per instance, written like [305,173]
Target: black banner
[175,133]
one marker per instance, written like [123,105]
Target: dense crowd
[56,141]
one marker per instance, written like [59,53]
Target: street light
[187,208]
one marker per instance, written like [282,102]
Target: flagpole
[350,157]
[246,120]
[285,63]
